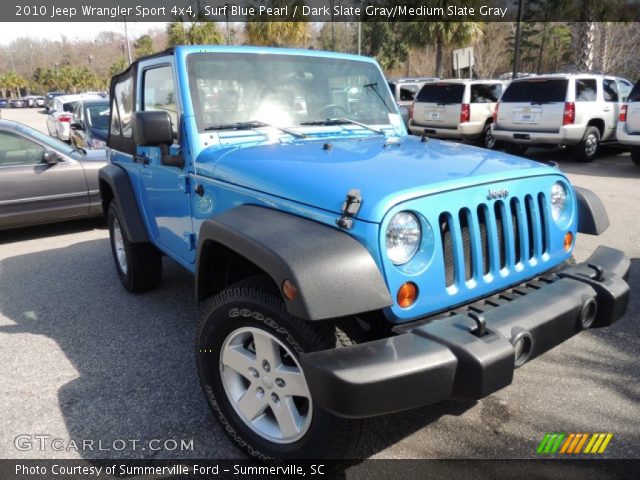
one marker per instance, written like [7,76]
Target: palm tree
[444,34]
[260,31]
[193,33]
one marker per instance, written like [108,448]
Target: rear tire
[139,265]
[587,149]
[635,155]
[487,140]
[247,351]
[515,148]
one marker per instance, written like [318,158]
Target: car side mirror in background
[75,126]
[50,158]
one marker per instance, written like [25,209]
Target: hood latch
[350,209]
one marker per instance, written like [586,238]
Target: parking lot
[81,359]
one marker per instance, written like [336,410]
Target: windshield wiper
[374,86]
[343,121]
[253,124]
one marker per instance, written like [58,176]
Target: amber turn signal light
[568,241]
[289,289]
[407,294]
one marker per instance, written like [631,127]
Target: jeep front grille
[493,238]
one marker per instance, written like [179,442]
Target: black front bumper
[436,359]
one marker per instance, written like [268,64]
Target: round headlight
[403,237]
[558,200]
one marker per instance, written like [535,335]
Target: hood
[321,172]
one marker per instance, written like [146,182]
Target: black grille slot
[543,222]
[502,244]
[528,203]
[484,240]
[447,248]
[465,219]
[515,205]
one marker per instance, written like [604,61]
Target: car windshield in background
[98,116]
[536,91]
[441,93]
[634,96]
[68,107]
[285,90]
[408,92]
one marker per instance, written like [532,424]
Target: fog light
[289,289]
[568,241]
[407,294]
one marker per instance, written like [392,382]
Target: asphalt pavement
[81,359]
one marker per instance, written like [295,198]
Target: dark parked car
[49,99]
[43,180]
[90,124]
[4,103]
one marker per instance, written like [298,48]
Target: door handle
[607,109]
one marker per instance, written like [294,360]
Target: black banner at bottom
[352,469]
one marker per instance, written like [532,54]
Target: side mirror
[75,126]
[152,129]
[50,158]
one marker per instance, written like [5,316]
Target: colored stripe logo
[574,443]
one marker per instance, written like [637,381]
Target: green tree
[260,31]
[193,33]
[143,46]
[387,42]
[13,82]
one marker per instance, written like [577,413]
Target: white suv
[457,109]
[628,131]
[575,110]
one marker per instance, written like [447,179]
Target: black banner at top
[319,10]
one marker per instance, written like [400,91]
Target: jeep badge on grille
[497,193]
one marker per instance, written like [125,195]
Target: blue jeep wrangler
[344,269]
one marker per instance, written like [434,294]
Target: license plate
[433,116]
[529,117]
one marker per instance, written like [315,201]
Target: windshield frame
[371,73]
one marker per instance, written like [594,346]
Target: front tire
[248,348]
[587,149]
[635,155]
[139,265]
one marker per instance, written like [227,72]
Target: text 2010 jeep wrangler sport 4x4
[344,268]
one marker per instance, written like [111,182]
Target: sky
[72,30]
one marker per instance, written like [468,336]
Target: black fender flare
[592,216]
[117,179]
[334,274]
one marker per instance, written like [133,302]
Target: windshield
[98,116]
[285,90]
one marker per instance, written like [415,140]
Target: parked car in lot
[4,103]
[43,180]
[457,109]
[344,268]
[404,91]
[30,101]
[61,114]
[90,124]
[575,110]
[628,131]
[17,103]
[49,99]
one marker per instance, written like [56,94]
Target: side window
[487,93]
[77,113]
[124,103]
[159,93]
[586,90]
[625,89]
[115,119]
[16,150]
[408,92]
[610,90]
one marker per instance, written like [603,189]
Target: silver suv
[575,110]
[628,131]
[457,109]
